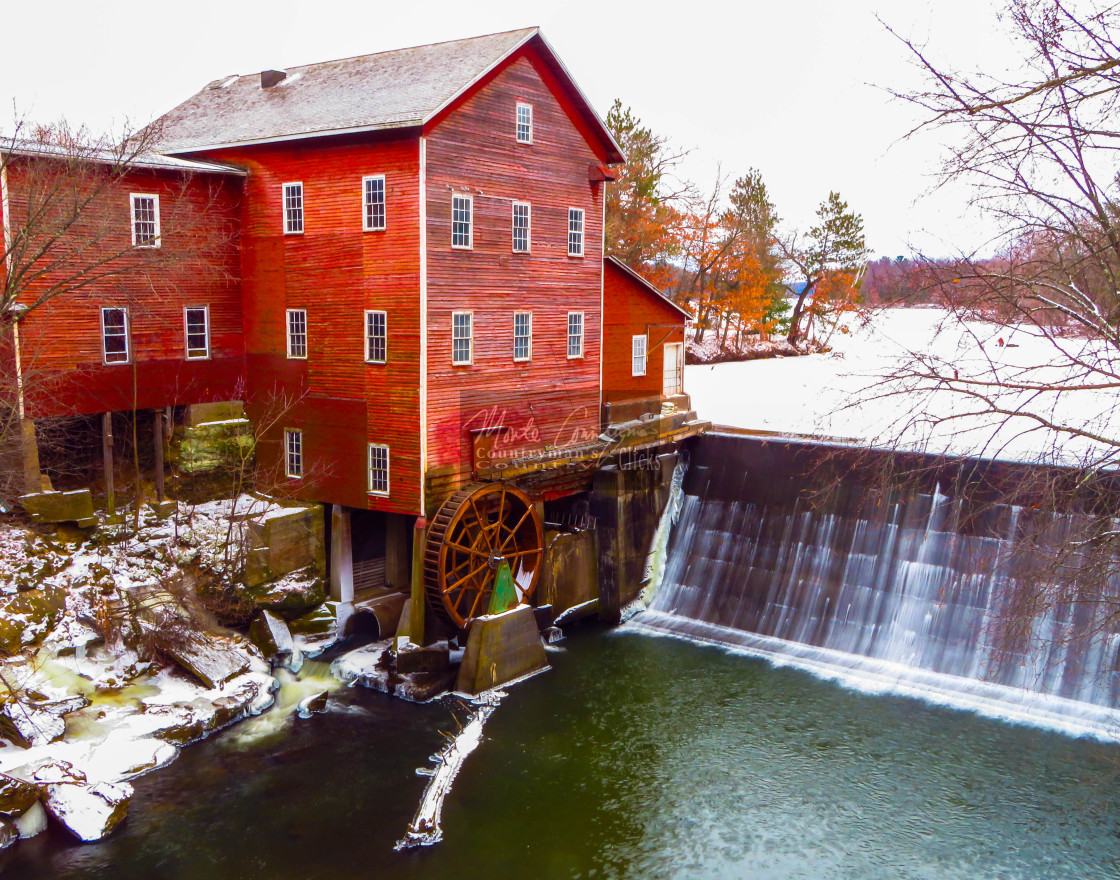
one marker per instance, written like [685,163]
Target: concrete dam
[956,584]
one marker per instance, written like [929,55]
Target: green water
[634,757]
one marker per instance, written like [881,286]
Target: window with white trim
[638,355]
[293,452]
[524,123]
[462,339]
[378,469]
[521,227]
[522,336]
[196,329]
[145,220]
[115,346]
[373,201]
[293,208]
[461,211]
[297,333]
[575,334]
[575,232]
[376,337]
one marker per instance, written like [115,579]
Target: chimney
[269,78]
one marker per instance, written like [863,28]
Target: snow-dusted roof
[645,284]
[396,89]
[113,157]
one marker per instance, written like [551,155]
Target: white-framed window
[522,227]
[638,355]
[115,345]
[462,337]
[376,347]
[373,202]
[575,232]
[145,220]
[293,452]
[524,123]
[575,334]
[378,469]
[462,208]
[522,336]
[196,331]
[293,208]
[297,333]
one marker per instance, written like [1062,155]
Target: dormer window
[524,123]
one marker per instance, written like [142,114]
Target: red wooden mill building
[413,304]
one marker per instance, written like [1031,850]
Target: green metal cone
[504,596]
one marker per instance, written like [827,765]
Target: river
[634,757]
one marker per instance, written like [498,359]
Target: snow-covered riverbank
[848,393]
[111,663]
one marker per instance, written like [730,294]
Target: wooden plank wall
[335,271]
[551,400]
[630,310]
[61,339]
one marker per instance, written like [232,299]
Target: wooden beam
[157,441]
[107,461]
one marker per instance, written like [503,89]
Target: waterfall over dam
[953,586]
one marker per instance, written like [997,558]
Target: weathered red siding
[552,400]
[630,310]
[335,271]
[60,340]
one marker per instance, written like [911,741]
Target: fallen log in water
[425,827]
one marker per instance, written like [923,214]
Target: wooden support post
[157,441]
[29,449]
[417,617]
[107,459]
[342,557]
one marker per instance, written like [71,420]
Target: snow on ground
[843,394]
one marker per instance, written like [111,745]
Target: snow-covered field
[848,393]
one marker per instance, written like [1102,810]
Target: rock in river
[16,796]
[89,812]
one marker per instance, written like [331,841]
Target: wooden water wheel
[475,530]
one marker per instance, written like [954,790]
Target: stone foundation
[285,541]
[500,648]
[627,501]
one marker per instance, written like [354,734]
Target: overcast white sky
[793,88]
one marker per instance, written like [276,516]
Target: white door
[674,368]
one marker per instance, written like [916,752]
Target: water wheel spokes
[475,530]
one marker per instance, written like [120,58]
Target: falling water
[903,591]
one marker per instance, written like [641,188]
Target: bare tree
[1026,363]
[1039,151]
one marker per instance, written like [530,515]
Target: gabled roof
[645,285]
[402,88]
